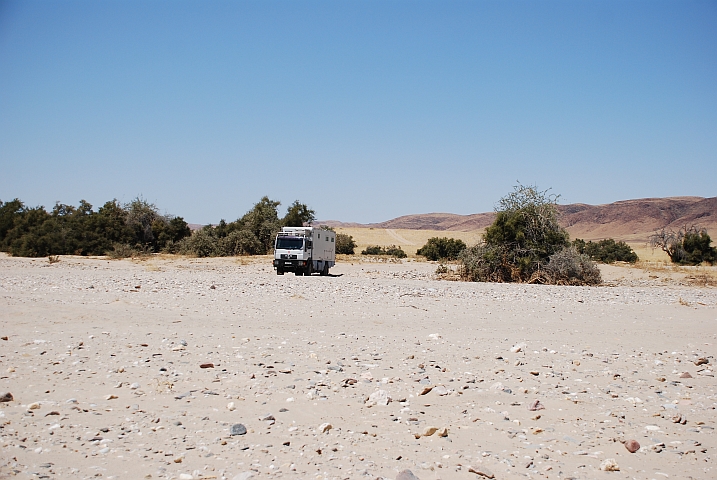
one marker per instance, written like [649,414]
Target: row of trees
[525,243]
[68,230]
[138,227]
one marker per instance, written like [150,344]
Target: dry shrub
[53,259]
[568,267]
[444,272]
[120,251]
[702,280]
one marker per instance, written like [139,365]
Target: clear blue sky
[363,110]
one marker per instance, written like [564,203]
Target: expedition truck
[304,250]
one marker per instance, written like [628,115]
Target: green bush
[521,242]
[686,246]
[442,249]
[391,250]
[696,246]
[202,243]
[240,242]
[345,244]
[606,251]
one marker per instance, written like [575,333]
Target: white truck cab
[304,250]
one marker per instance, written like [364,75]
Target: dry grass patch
[699,276]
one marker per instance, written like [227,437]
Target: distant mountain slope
[628,219]
[637,219]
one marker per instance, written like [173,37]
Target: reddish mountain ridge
[626,220]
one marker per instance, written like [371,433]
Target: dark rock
[206,365]
[6,397]
[686,375]
[237,429]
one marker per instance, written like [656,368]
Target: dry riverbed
[218,368]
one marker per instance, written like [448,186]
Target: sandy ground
[374,370]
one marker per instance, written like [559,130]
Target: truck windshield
[289,243]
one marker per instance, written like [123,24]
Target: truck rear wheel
[298,273]
[325,270]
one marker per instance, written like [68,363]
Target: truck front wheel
[279,272]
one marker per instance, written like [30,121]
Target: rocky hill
[631,220]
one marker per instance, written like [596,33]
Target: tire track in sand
[398,237]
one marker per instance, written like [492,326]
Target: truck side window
[332,240]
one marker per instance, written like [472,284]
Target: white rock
[441,390]
[231,407]
[379,397]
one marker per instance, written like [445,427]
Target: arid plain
[218,368]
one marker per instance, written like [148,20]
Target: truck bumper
[290,265]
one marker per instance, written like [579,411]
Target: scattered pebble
[609,465]
[632,446]
[237,429]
